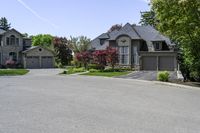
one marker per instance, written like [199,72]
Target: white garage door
[47,62]
[32,62]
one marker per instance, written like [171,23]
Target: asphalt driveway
[42,103]
[147,75]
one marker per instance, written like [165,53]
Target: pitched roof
[34,47]
[150,34]
[2,31]
[146,33]
[125,30]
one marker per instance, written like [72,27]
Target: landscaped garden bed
[13,72]
[106,74]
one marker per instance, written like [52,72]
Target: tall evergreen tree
[4,24]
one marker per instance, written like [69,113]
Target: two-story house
[15,47]
[141,47]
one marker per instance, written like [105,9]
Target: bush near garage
[163,76]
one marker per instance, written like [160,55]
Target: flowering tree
[10,63]
[112,56]
[99,58]
[84,57]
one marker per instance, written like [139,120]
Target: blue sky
[70,17]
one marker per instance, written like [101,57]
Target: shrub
[93,70]
[94,66]
[163,76]
[75,70]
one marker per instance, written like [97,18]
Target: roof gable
[37,47]
[125,30]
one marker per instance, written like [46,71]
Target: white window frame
[125,55]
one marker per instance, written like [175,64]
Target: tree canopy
[4,24]
[115,27]
[62,50]
[44,40]
[148,18]
[180,20]
[79,44]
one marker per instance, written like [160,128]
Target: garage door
[32,62]
[47,62]
[166,63]
[149,63]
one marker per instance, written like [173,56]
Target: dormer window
[102,41]
[158,46]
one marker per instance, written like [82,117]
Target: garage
[47,62]
[149,63]
[38,57]
[158,62]
[166,63]
[33,62]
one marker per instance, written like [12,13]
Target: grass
[13,72]
[106,74]
[73,71]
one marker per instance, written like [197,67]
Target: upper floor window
[17,41]
[1,43]
[102,41]
[7,41]
[12,40]
[158,46]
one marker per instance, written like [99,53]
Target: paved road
[78,104]
[147,75]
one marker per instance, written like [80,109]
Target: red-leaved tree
[99,57]
[112,57]
[62,50]
[84,57]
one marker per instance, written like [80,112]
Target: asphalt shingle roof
[146,33]
[2,31]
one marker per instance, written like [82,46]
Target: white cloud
[36,14]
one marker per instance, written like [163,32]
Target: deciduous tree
[112,57]
[84,57]
[99,57]
[62,50]
[180,20]
[44,40]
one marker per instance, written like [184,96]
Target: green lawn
[13,72]
[106,74]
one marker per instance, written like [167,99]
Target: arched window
[13,56]
[12,40]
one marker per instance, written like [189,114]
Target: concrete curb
[165,83]
[75,74]
[146,81]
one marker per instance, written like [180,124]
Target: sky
[70,17]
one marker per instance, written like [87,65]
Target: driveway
[147,75]
[38,103]
[44,72]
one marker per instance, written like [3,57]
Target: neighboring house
[141,47]
[13,46]
[38,57]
